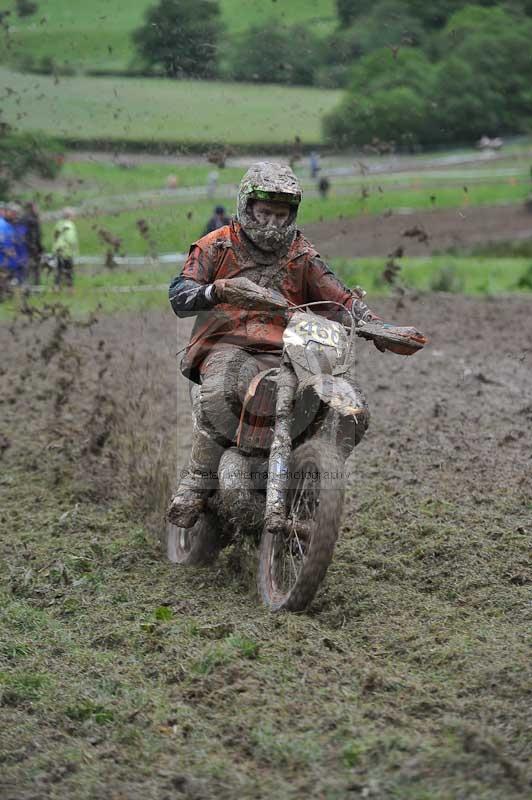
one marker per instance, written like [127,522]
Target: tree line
[414,73]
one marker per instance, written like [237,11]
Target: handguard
[403,340]
[243,293]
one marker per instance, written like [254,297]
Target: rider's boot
[198,481]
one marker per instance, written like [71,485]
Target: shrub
[181,36]
[272,54]
[389,115]
[28,152]
[47,65]
[348,10]
[480,85]
[388,24]
[525,281]
[382,28]
[380,70]
[26,8]
[446,279]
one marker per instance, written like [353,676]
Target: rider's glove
[243,293]
[385,336]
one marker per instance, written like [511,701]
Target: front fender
[335,392]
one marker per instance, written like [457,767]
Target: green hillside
[96,35]
[140,111]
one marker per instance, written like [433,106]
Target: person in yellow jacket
[65,248]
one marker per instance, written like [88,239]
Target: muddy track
[124,677]
[438,230]
[460,406]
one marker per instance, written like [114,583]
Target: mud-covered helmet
[272,183]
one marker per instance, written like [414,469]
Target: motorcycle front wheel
[293,564]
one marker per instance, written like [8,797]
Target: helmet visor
[274,197]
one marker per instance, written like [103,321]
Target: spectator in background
[6,245]
[21,247]
[314,164]
[212,183]
[323,187]
[18,263]
[33,242]
[6,238]
[218,220]
[65,248]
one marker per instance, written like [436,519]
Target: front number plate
[326,334]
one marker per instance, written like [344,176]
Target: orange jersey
[300,275]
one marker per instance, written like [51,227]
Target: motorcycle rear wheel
[292,565]
[196,546]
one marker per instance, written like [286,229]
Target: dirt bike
[283,480]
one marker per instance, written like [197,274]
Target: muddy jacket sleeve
[322,284]
[189,293]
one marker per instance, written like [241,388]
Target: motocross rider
[231,342]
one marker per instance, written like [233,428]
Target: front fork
[281,448]
[280,451]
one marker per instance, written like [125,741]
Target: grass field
[173,227]
[91,178]
[96,35]
[111,178]
[140,289]
[89,181]
[175,112]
